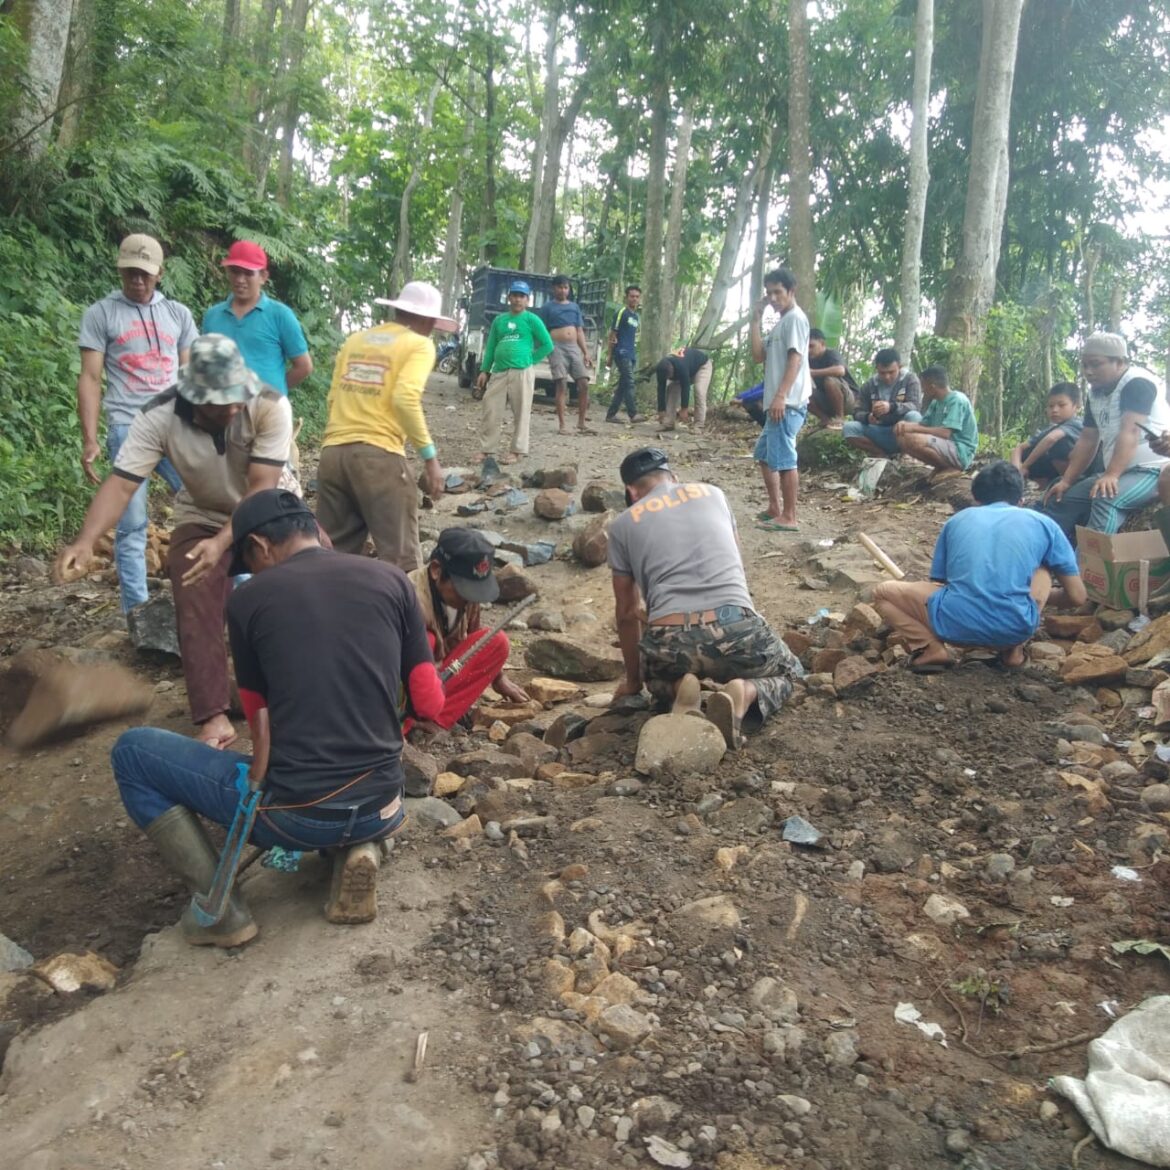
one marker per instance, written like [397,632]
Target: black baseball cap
[466,557]
[643,462]
[254,512]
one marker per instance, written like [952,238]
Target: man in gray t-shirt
[139,338]
[676,547]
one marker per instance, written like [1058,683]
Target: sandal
[917,667]
[776,526]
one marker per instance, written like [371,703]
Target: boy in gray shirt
[676,547]
[139,338]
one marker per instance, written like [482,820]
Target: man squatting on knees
[323,643]
[676,547]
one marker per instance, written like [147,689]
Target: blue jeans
[776,446]
[130,535]
[624,394]
[156,770]
[879,436]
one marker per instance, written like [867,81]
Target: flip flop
[917,667]
[765,517]
[776,526]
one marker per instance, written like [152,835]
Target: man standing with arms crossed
[365,485]
[570,356]
[267,332]
[516,341]
[787,388]
[140,338]
[623,352]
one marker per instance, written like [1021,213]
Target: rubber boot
[353,892]
[185,847]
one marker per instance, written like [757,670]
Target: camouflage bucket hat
[216,374]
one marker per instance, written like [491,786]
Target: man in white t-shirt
[787,389]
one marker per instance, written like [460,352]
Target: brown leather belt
[706,618]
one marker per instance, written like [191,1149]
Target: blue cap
[520,286]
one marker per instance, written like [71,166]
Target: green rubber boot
[181,839]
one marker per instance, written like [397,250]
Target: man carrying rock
[327,740]
[228,436]
[451,587]
[675,548]
[1124,412]
[365,485]
[570,356]
[990,578]
[677,373]
[139,338]
[516,341]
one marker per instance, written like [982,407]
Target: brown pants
[363,491]
[903,605]
[199,611]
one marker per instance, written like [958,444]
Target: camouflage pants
[745,648]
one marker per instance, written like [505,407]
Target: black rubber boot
[181,839]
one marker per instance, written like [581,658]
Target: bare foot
[511,457]
[1012,658]
[686,696]
[564,431]
[217,732]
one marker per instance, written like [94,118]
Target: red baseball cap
[245,254]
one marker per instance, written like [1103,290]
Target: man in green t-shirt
[516,341]
[947,436]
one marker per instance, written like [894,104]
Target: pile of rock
[844,653]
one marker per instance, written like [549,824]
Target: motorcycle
[447,356]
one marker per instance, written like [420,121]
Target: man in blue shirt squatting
[267,332]
[990,578]
[787,390]
[570,356]
[676,548]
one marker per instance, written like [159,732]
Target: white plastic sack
[1125,1096]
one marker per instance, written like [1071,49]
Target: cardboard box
[1122,570]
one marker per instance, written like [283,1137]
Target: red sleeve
[426,691]
[251,701]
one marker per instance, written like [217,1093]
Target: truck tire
[467,373]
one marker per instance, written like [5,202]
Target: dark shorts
[743,648]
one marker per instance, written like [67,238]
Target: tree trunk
[751,180]
[450,271]
[763,207]
[802,252]
[256,142]
[655,314]
[1116,306]
[674,222]
[402,269]
[231,32]
[910,298]
[79,73]
[291,112]
[488,247]
[549,114]
[963,310]
[43,25]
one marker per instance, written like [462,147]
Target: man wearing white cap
[139,338]
[1126,408]
[365,486]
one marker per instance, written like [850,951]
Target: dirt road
[762,976]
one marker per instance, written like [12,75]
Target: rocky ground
[622,957]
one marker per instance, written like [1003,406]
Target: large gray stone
[13,957]
[152,625]
[488,764]
[562,657]
[591,544]
[684,742]
[420,770]
[600,496]
[432,813]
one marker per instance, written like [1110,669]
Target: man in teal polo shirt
[267,332]
[948,434]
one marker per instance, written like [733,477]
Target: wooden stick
[800,909]
[879,556]
[420,1055]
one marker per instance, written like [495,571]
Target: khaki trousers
[903,605]
[515,388]
[363,491]
[699,384]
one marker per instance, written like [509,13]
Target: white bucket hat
[423,300]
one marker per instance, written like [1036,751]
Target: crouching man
[990,578]
[322,642]
[676,547]
[451,587]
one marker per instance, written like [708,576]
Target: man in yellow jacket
[365,486]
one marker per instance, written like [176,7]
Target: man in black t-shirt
[686,367]
[323,645]
[1125,410]
[834,391]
